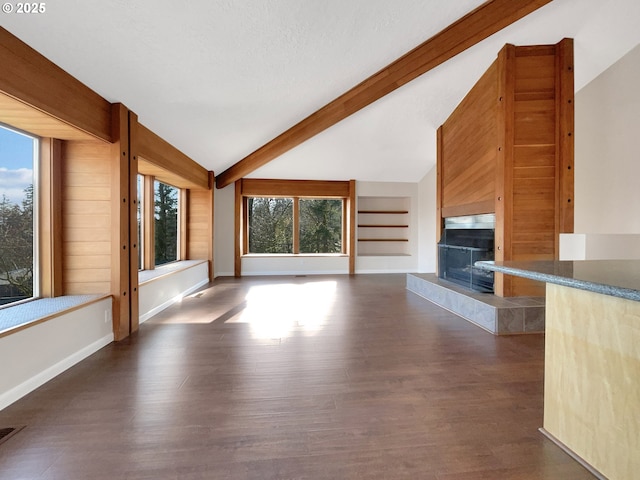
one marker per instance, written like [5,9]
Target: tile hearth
[498,315]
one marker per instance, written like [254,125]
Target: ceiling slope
[487,19]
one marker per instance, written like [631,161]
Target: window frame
[296,225]
[37,241]
[147,223]
[296,189]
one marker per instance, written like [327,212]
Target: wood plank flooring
[329,377]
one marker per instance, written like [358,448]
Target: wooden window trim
[296,189]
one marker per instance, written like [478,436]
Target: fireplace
[466,240]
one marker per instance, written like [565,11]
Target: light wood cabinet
[508,149]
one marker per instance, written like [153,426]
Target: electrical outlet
[107,316]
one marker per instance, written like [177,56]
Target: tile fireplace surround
[497,315]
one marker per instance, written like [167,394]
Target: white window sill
[17,317]
[146,276]
[292,255]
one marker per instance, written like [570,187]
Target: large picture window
[18,153]
[294,225]
[166,223]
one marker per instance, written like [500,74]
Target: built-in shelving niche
[383,226]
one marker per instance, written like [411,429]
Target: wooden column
[352,227]
[50,217]
[120,244]
[504,166]
[132,230]
[238,233]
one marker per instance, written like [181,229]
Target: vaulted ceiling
[220,78]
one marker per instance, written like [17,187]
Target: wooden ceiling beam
[35,81]
[489,18]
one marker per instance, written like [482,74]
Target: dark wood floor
[294,378]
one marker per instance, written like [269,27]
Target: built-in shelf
[383,239]
[384,212]
[383,227]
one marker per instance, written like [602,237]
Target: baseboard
[573,455]
[43,377]
[171,301]
[288,273]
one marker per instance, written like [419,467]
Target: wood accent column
[120,244]
[352,227]
[565,121]
[238,233]
[134,308]
[184,212]
[49,200]
[504,166]
[439,216]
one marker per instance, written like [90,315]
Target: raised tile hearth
[500,316]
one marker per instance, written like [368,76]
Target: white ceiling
[220,78]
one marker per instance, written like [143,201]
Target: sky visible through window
[16,164]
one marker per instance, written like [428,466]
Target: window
[166,223]
[270,225]
[294,225]
[320,225]
[18,153]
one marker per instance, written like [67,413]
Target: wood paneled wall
[468,173]
[86,217]
[508,149]
[91,153]
[200,225]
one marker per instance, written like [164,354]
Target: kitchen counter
[592,359]
[618,278]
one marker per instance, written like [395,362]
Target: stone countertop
[618,278]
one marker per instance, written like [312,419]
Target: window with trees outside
[294,225]
[18,153]
[166,226]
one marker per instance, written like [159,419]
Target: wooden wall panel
[468,175]
[86,217]
[508,149]
[533,236]
[200,226]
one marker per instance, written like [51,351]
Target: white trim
[280,273]
[171,301]
[41,378]
[224,274]
[384,270]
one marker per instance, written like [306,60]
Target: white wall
[33,356]
[607,150]
[427,223]
[288,265]
[161,292]
[223,231]
[384,264]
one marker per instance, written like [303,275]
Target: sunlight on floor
[276,311]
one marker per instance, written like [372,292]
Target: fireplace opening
[466,240]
